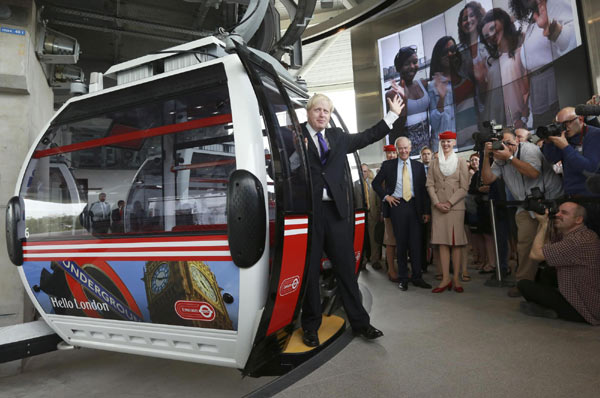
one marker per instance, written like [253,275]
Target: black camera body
[492,133]
[551,130]
[536,202]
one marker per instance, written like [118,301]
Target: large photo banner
[479,61]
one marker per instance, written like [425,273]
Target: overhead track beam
[119,21]
[348,19]
[302,16]
[252,19]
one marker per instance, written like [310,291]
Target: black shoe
[310,338]
[369,333]
[403,286]
[534,309]
[421,283]
[376,265]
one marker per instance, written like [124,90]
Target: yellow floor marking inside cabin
[329,326]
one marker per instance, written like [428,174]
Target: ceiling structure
[300,33]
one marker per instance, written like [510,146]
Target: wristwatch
[510,158]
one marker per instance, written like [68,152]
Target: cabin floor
[472,344]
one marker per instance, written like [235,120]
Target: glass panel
[291,172]
[155,167]
[357,188]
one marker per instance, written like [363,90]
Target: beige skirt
[388,235]
[448,228]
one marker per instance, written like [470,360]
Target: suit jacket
[452,188]
[388,174]
[117,222]
[334,171]
[374,201]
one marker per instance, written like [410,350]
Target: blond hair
[319,97]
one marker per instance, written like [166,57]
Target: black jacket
[334,171]
[389,175]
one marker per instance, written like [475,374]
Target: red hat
[448,135]
[389,148]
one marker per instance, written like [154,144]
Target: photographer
[523,168]
[574,253]
[577,145]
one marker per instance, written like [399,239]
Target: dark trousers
[425,245]
[545,293]
[333,235]
[408,231]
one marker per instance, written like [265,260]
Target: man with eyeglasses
[522,167]
[578,147]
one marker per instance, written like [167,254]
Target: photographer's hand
[488,148]
[595,100]
[537,253]
[502,154]
[542,218]
[560,142]
[487,177]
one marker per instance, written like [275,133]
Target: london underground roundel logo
[289,285]
[195,310]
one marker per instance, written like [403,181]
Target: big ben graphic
[168,282]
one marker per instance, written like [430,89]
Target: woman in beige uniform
[447,184]
[389,241]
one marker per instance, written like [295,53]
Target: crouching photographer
[523,168]
[574,252]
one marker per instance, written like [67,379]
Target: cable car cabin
[204,261]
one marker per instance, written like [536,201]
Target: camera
[536,202]
[492,133]
[551,130]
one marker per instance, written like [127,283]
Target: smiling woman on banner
[414,120]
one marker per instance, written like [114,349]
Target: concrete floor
[475,344]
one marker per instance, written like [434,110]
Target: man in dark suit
[116,217]
[332,212]
[408,204]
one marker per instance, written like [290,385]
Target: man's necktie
[406,195]
[324,148]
